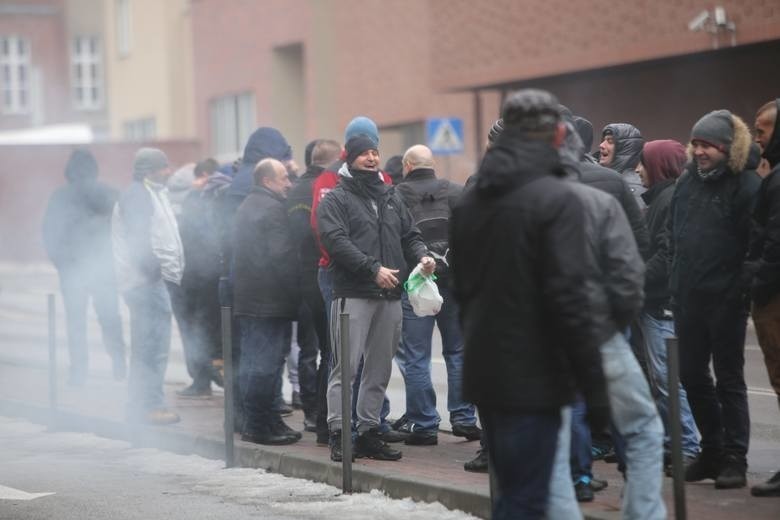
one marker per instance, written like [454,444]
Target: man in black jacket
[709,226]
[77,237]
[765,253]
[430,201]
[313,318]
[266,300]
[369,235]
[523,275]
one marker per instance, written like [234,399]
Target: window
[15,74]
[232,122]
[144,129]
[87,74]
[124,27]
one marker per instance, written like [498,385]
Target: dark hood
[512,160]
[572,151]
[585,130]
[754,157]
[663,159]
[264,143]
[628,146]
[772,152]
[81,166]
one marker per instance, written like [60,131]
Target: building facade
[309,66]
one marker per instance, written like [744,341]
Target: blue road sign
[445,135]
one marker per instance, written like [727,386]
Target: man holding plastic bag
[428,302]
[370,237]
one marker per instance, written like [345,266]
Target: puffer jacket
[628,151]
[709,227]
[361,234]
[522,271]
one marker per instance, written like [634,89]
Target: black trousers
[713,329]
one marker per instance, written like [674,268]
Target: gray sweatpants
[374,332]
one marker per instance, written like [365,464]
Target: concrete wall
[154,79]
[30,174]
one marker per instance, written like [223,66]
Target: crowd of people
[563,272]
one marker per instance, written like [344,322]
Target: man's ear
[560,135]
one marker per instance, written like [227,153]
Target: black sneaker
[687,460]
[583,491]
[370,445]
[399,423]
[470,431]
[267,437]
[285,410]
[334,441]
[393,436]
[703,467]
[310,423]
[422,438]
[770,488]
[478,464]
[279,427]
[732,473]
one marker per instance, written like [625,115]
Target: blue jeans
[656,332]
[580,453]
[521,447]
[150,342]
[265,343]
[635,418]
[416,338]
[562,503]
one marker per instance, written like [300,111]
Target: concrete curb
[287,464]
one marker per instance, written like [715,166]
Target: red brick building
[308,67]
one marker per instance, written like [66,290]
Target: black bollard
[52,352]
[227,359]
[346,405]
[675,428]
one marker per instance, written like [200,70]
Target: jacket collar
[263,191]
[420,174]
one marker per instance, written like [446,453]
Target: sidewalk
[432,473]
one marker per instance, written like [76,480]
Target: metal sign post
[675,428]
[227,359]
[346,405]
[52,352]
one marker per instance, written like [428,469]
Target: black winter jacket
[299,210]
[523,274]
[265,283]
[605,180]
[361,234]
[658,198]
[423,182]
[765,246]
[200,241]
[709,229]
[77,225]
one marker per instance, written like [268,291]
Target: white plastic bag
[423,293]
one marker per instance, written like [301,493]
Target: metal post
[227,359]
[346,405]
[675,428]
[52,352]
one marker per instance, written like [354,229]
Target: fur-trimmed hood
[740,146]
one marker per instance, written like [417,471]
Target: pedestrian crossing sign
[445,135]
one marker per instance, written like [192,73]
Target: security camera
[697,24]
[720,17]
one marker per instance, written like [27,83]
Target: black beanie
[715,129]
[357,145]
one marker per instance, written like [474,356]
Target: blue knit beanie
[362,125]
